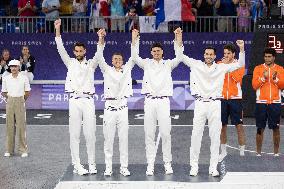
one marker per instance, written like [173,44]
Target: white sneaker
[24,155]
[193,171]
[80,170]
[124,171]
[93,169]
[7,154]
[242,150]
[108,171]
[258,154]
[168,169]
[276,155]
[214,173]
[222,156]
[150,170]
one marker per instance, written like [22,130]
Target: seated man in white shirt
[117,89]
[157,87]
[16,90]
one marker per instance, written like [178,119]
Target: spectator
[38,3]
[26,8]
[204,8]
[132,19]
[226,9]
[243,16]
[149,7]
[281,5]
[99,8]
[257,7]
[14,8]
[4,61]
[51,10]
[137,4]
[40,25]
[27,63]
[188,26]
[4,7]
[79,12]
[117,14]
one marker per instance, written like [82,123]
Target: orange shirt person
[268,80]
[231,103]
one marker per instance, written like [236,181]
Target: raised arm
[61,50]
[178,47]
[241,61]
[130,63]
[135,49]
[99,58]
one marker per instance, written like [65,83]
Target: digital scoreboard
[276,41]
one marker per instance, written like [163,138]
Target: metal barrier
[120,24]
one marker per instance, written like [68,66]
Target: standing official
[16,90]
[157,87]
[206,82]
[80,85]
[268,81]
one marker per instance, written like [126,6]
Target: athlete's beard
[79,58]
[209,60]
[269,63]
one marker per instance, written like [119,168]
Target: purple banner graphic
[53,97]
[49,66]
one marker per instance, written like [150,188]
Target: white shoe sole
[107,174]
[126,175]
[149,173]
[169,173]
[93,172]
[193,174]
[24,155]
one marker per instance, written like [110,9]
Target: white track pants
[113,119]
[82,109]
[157,109]
[212,111]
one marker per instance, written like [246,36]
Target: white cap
[14,63]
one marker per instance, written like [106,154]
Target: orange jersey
[232,84]
[268,90]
